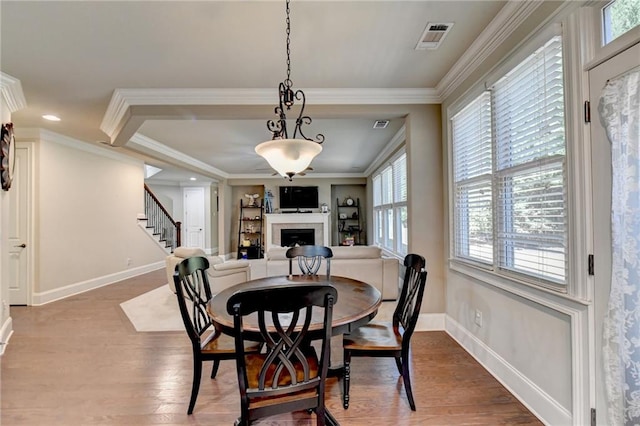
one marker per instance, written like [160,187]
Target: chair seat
[226,345]
[373,337]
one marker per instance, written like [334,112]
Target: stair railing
[168,230]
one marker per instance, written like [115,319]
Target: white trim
[123,99]
[5,334]
[313,175]
[141,141]
[398,139]
[11,90]
[91,284]
[499,29]
[535,399]
[602,53]
[271,219]
[522,52]
[38,134]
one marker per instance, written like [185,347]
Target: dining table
[357,303]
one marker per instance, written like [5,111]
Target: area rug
[156,310]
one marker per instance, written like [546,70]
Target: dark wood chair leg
[331,421]
[399,364]
[214,369]
[346,379]
[321,416]
[407,382]
[197,374]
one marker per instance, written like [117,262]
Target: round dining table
[357,303]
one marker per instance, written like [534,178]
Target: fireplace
[302,237]
[275,222]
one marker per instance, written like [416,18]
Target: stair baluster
[167,229]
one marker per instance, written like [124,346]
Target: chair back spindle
[193,292]
[288,375]
[310,259]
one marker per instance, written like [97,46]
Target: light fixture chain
[289,84]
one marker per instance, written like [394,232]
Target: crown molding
[499,29]
[150,144]
[389,149]
[11,90]
[39,134]
[122,100]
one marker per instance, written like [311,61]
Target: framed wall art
[7,156]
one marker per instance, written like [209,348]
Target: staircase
[159,223]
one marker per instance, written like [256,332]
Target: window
[390,206]
[618,17]
[509,173]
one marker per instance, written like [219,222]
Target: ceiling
[188,86]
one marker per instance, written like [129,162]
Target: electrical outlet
[128,261]
[478,318]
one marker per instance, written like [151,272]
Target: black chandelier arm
[278,128]
[319,137]
[287,98]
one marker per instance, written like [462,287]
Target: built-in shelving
[250,245]
[349,222]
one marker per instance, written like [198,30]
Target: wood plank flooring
[79,361]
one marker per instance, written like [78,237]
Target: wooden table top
[357,303]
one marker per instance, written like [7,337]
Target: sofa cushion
[356,252]
[232,264]
[185,252]
[277,253]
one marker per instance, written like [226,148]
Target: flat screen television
[298,197]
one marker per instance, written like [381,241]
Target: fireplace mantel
[274,222]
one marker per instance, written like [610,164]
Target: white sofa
[221,274]
[364,263]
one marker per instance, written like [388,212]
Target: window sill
[529,291]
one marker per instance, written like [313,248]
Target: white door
[19,229]
[194,217]
[601,169]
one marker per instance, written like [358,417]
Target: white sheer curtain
[620,115]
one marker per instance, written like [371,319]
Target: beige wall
[87,204]
[526,341]
[425,198]
[240,185]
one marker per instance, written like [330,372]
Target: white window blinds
[471,129]
[390,205]
[509,173]
[528,110]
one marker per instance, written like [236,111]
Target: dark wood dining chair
[208,344]
[390,339]
[309,259]
[288,376]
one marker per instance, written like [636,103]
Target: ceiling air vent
[433,35]
[380,124]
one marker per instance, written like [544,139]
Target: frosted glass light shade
[289,156]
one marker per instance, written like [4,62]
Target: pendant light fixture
[289,156]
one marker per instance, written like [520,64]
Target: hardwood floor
[79,361]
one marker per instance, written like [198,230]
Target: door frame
[602,261]
[200,190]
[29,250]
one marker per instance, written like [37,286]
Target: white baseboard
[5,334]
[535,399]
[81,287]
